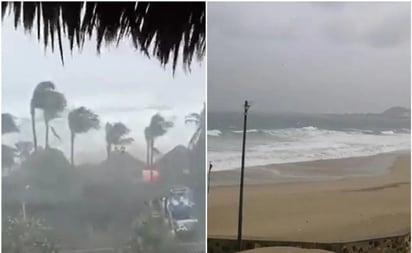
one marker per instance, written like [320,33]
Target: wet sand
[355,207]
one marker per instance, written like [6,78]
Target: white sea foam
[309,128]
[214,132]
[248,131]
[387,132]
[303,144]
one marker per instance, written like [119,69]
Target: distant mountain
[397,111]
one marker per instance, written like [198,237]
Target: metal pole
[23,203]
[23,207]
[208,177]
[240,216]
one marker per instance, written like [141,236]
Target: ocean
[288,138]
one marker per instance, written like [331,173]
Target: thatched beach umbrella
[163,30]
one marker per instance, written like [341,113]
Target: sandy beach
[344,200]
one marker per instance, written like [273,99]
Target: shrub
[26,236]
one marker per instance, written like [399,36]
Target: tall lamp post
[208,176]
[240,216]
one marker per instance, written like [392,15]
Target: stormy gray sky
[120,85]
[309,57]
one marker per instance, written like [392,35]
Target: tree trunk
[151,159]
[109,150]
[46,122]
[151,152]
[147,151]
[33,126]
[72,148]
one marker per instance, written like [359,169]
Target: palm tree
[197,139]
[8,153]
[81,120]
[53,104]
[37,102]
[197,152]
[199,120]
[115,135]
[158,127]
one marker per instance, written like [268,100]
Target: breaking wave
[301,144]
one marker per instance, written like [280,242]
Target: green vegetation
[53,104]
[26,236]
[116,136]
[81,120]
[95,204]
[158,127]
[36,102]
[151,235]
[84,203]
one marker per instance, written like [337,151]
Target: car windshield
[181,213]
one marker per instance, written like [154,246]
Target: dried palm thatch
[158,29]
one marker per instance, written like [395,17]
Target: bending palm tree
[115,135]
[53,104]
[199,121]
[158,127]
[197,144]
[37,102]
[81,120]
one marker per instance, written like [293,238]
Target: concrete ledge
[390,244]
[285,250]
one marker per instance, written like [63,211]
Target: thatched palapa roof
[159,29]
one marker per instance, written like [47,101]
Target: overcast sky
[120,85]
[309,57]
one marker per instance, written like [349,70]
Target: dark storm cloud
[309,57]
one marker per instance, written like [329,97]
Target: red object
[150,175]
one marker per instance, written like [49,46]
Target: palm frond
[53,103]
[82,120]
[199,120]
[55,133]
[159,125]
[116,132]
[167,28]
[156,151]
